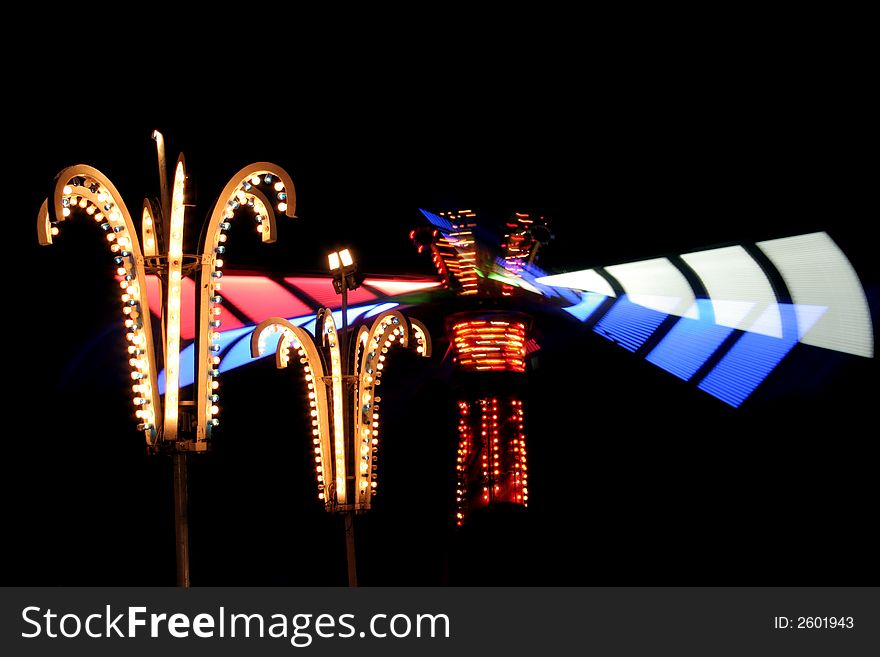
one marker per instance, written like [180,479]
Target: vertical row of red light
[484,453]
[465,447]
[494,450]
[518,449]
[501,450]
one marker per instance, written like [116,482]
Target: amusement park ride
[720,319]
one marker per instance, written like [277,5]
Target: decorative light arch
[335,452]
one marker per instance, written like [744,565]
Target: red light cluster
[490,345]
[491,466]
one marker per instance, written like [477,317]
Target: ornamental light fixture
[342,400]
[171,425]
[490,340]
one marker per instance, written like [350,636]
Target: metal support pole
[348,516]
[349,549]
[181,525]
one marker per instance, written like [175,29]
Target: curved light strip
[251,187]
[587,280]
[330,338]
[148,228]
[739,290]
[44,225]
[818,274]
[656,284]
[313,368]
[85,188]
[388,329]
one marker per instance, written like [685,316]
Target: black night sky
[661,485]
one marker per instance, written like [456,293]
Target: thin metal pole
[181,525]
[349,549]
[342,333]
[348,516]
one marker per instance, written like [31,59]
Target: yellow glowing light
[338,400]
[172,341]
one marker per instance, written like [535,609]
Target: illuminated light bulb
[67,189]
[218,263]
[255,180]
[111,237]
[215,385]
[282,207]
[215,410]
[241,196]
[222,237]
[279,186]
[65,212]
[320,496]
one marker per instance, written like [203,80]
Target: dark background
[628,158]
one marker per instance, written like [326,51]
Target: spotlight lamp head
[343,268]
[333,261]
